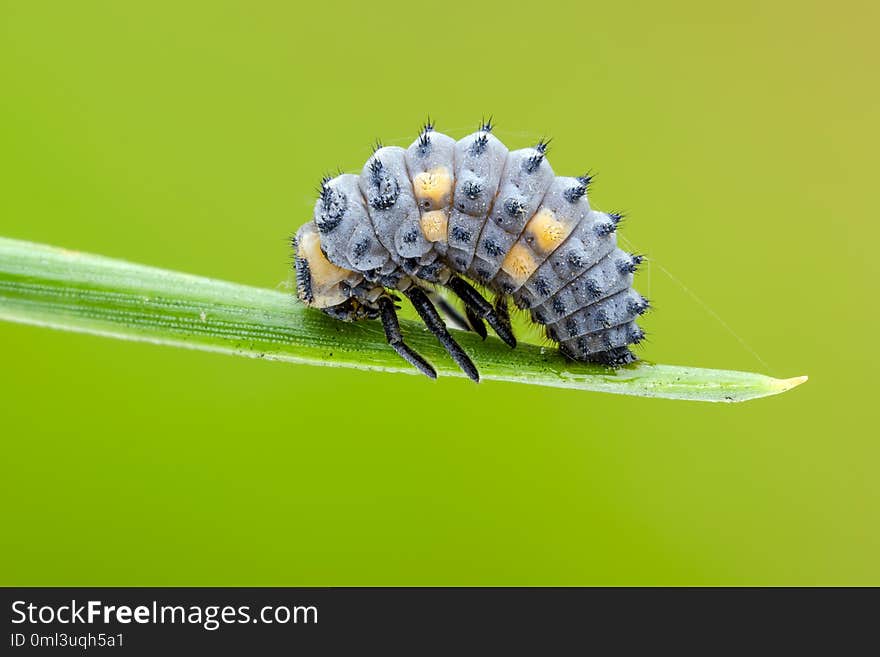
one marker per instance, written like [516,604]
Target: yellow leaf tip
[784,385]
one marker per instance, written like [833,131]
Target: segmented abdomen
[499,217]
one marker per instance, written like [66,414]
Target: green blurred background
[741,139]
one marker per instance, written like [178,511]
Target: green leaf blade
[68,290]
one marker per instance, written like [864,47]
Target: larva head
[319,283]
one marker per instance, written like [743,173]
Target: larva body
[442,211]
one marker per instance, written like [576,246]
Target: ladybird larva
[442,212]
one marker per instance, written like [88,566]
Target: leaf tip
[784,385]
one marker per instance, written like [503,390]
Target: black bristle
[630,265]
[376,145]
[616,217]
[376,170]
[605,228]
[424,142]
[638,306]
[574,194]
[542,145]
[319,190]
[486,125]
[303,280]
[635,335]
[425,136]
[324,190]
[384,188]
[333,205]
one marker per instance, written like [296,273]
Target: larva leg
[469,323]
[502,310]
[392,333]
[429,315]
[482,308]
[447,309]
[476,322]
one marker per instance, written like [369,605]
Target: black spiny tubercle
[635,335]
[605,228]
[574,193]
[638,306]
[333,207]
[472,190]
[481,142]
[531,163]
[593,288]
[514,208]
[385,190]
[424,141]
[303,279]
[629,265]
[321,187]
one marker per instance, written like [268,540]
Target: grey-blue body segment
[572,261]
[526,178]
[442,210]
[479,163]
[430,164]
[391,204]
[346,234]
